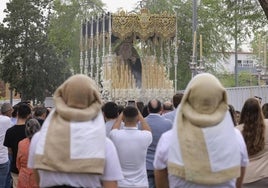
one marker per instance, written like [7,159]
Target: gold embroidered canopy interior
[143,25]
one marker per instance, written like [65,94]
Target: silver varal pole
[110,33]
[86,49]
[168,59]
[81,48]
[97,51]
[92,48]
[103,36]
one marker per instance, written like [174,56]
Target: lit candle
[194,43]
[201,48]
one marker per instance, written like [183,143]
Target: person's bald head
[154,106]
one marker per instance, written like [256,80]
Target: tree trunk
[264,5]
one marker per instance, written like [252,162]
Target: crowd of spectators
[195,139]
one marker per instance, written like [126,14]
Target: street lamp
[194,27]
[237,5]
[193,63]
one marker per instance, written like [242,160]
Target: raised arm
[118,121]
[144,124]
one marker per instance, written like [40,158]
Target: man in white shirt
[131,145]
[5,123]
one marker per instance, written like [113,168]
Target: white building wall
[229,62]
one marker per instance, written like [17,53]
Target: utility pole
[194,24]
[175,9]
[236,56]
[193,63]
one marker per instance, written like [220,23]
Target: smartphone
[131,103]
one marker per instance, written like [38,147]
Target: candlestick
[194,43]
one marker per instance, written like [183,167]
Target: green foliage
[39,40]
[65,24]
[244,79]
[30,64]
[216,23]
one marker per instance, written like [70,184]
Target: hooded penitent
[72,138]
[204,149]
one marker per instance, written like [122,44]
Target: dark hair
[15,110]
[168,106]
[177,99]
[110,110]
[265,110]
[254,126]
[23,110]
[232,113]
[39,111]
[153,108]
[130,113]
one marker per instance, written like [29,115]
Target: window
[247,63]
[239,63]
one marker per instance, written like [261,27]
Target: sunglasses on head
[259,98]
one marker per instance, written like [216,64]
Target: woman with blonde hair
[253,128]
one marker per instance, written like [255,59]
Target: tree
[245,79]
[30,64]
[264,5]
[65,24]
[216,22]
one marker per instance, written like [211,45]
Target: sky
[111,5]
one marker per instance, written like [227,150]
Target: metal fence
[238,95]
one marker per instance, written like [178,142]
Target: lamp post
[236,56]
[194,29]
[193,63]
[237,5]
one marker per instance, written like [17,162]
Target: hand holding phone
[131,103]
